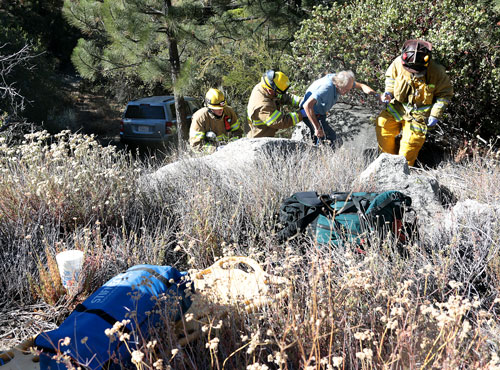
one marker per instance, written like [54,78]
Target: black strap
[102,314]
[326,201]
[157,275]
[357,203]
[386,202]
[307,219]
[350,203]
[299,226]
[106,316]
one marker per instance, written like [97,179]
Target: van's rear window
[145,111]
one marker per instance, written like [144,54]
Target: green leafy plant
[366,35]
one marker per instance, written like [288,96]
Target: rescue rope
[229,282]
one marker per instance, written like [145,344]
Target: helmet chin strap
[271,92]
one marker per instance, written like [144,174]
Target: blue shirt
[325,93]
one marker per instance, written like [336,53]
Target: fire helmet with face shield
[416,55]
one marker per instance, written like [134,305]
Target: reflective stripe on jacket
[416,98]
[204,121]
[265,116]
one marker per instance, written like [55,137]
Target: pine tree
[170,43]
[135,38]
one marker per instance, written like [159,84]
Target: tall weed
[435,306]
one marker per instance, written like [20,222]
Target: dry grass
[437,307]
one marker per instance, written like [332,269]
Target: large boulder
[233,160]
[354,125]
[391,172]
[484,217]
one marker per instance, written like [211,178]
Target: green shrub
[366,35]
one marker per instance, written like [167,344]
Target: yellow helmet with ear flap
[214,99]
[276,81]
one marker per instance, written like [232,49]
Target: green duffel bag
[341,217]
[352,217]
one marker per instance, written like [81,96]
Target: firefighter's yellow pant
[412,137]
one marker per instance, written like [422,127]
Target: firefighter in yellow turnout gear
[417,91]
[216,117]
[264,106]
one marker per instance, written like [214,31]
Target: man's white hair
[343,79]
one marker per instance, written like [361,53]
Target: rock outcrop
[235,158]
[481,215]
[352,124]
[391,172]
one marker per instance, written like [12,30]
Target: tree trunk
[175,64]
[182,124]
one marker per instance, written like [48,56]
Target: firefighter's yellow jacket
[417,98]
[226,128]
[265,116]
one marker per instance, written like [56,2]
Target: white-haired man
[320,97]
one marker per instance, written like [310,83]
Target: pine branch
[101,59]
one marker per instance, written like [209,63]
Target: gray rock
[471,212]
[352,124]
[301,133]
[391,172]
[233,160]
[387,168]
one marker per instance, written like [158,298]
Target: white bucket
[70,263]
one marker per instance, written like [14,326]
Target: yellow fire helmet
[214,99]
[276,81]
